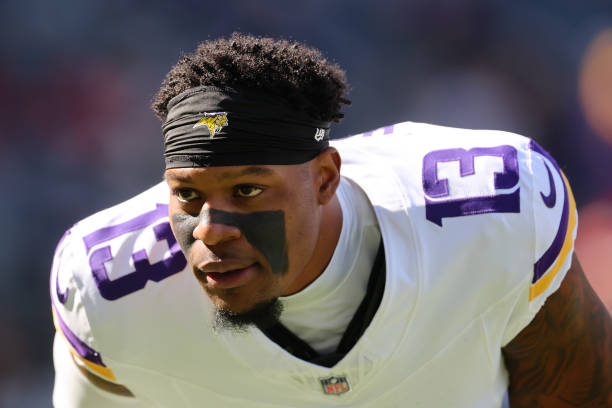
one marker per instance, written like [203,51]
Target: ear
[326,167]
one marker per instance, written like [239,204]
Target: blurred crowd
[77,134]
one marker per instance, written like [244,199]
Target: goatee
[263,315]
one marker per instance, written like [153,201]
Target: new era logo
[319,134]
[335,385]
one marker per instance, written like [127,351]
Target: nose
[212,232]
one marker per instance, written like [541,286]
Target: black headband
[212,126]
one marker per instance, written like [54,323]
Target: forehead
[228,173]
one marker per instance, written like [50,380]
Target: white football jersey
[478,229]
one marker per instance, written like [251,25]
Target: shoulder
[487,200]
[94,247]
[121,248]
[455,173]
[449,172]
[104,258]
[154,198]
[413,140]
[437,167]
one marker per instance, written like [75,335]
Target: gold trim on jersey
[568,244]
[102,371]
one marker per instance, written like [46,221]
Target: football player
[413,265]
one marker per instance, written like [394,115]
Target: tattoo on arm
[563,358]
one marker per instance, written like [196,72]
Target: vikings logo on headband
[214,121]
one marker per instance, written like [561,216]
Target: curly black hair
[298,74]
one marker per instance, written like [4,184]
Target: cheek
[302,232]
[265,231]
[182,227]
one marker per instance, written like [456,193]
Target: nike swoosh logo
[551,198]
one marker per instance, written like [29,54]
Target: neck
[329,233]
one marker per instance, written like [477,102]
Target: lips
[226,278]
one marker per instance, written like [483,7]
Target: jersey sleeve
[72,389]
[68,310]
[555,223]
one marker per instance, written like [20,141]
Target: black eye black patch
[265,230]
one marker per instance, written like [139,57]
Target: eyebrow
[180,179]
[249,171]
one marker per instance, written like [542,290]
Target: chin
[264,314]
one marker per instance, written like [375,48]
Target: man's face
[248,232]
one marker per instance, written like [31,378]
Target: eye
[186,195]
[247,190]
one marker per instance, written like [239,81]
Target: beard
[263,315]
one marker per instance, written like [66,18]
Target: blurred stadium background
[77,134]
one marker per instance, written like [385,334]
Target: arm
[563,358]
[75,386]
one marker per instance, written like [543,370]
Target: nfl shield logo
[335,385]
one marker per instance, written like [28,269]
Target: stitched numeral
[437,208]
[145,271]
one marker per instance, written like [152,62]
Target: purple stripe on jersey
[108,233]
[550,199]
[61,296]
[79,346]
[369,133]
[533,145]
[551,254]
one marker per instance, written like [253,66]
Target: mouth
[227,279]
